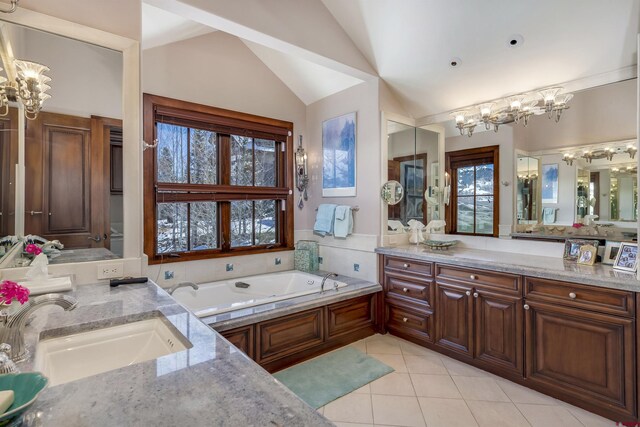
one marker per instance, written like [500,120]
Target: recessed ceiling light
[455,62]
[515,40]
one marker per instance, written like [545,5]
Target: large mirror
[413,162]
[62,177]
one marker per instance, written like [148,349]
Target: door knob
[572,295]
[96,239]
[472,277]
[526,307]
[32,213]
[405,290]
[405,320]
[405,265]
[468,293]
[475,295]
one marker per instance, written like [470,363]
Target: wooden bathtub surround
[577,343]
[284,341]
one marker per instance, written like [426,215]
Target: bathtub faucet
[324,279]
[182,285]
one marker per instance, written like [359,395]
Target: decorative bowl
[439,245]
[26,388]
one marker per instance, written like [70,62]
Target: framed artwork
[550,183]
[572,248]
[339,156]
[627,258]
[587,255]
[413,180]
[610,252]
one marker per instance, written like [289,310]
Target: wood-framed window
[474,205]
[218,183]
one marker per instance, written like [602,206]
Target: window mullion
[224,217]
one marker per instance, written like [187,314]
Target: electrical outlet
[168,275]
[356,267]
[110,271]
[319,260]
[278,261]
[229,267]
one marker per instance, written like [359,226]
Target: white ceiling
[411,43]
[160,27]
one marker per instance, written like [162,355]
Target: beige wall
[121,17]
[363,99]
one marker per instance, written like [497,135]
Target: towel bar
[353,209]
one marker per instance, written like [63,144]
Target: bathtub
[223,296]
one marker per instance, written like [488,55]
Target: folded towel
[324,219]
[343,225]
[395,225]
[549,215]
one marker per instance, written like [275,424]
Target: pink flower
[33,249]
[11,290]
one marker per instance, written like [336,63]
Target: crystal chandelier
[30,88]
[515,108]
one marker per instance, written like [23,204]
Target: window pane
[172,153]
[484,179]
[172,227]
[265,222]
[465,214]
[465,181]
[484,215]
[241,160]
[265,173]
[204,226]
[242,223]
[203,152]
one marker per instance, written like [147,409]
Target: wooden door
[454,317]
[393,174]
[498,330]
[582,356]
[8,161]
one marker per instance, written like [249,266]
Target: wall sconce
[302,177]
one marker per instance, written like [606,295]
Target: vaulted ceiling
[410,43]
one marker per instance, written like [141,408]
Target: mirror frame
[132,138]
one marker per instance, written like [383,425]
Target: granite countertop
[576,235]
[83,255]
[237,318]
[529,265]
[212,383]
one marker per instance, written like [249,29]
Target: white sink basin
[81,355]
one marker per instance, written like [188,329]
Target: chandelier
[602,152]
[30,88]
[515,108]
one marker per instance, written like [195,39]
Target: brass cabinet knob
[572,295]
[472,277]
[405,290]
[475,295]
[468,293]
[405,320]
[526,307]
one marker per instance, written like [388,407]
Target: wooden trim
[454,159]
[223,193]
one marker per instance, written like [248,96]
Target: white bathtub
[223,296]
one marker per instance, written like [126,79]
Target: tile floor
[433,390]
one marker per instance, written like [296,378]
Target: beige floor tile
[548,415]
[352,408]
[446,412]
[393,384]
[520,394]
[320,410]
[397,411]
[590,419]
[353,425]
[479,388]
[381,345]
[365,389]
[396,361]
[425,365]
[414,349]
[435,386]
[455,367]
[497,414]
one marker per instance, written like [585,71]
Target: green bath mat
[326,378]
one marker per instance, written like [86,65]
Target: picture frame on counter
[610,252]
[588,255]
[572,248]
[627,258]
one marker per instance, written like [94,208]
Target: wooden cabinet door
[586,357]
[242,338]
[350,315]
[498,330]
[8,160]
[454,312]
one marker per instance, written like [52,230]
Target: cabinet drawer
[242,338]
[351,315]
[581,296]
[402,286]
[409,266]
[406,320]
[281,337]
[482,278]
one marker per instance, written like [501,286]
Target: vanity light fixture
[515,108]
[568,158]
[600,151]
[302,176]
[30,88]
[631,150]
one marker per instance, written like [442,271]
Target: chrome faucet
[182,285]
[12,325]
[324,279]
